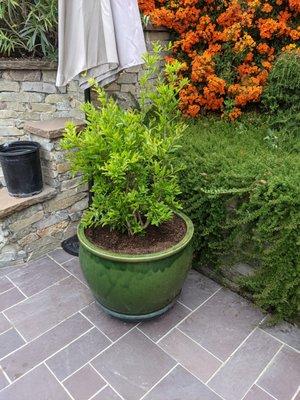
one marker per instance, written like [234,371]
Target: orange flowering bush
[228,47]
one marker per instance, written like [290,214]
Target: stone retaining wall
[31,95]
[33,226]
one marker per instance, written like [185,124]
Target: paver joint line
[2,333]
[160,380]
[7,290]
[198,344]
[102,351]
[264,390]
[296,394]
[231,355]
[107,383]
[188,308]
[99,391]
[6,376]
[203,383]
[16,286]
[14,327]
[84,316]
[64,388]
[187,316]
[279,340]
[65,269]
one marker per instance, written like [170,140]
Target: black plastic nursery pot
[21,166]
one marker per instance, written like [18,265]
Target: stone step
[9,205]
[51,129]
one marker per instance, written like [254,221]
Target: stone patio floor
[57,344]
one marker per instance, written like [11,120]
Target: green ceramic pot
[136,287]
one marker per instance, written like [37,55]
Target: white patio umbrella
[101,37]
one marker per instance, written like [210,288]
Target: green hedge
[243,194]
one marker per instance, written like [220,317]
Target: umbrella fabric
[101,37]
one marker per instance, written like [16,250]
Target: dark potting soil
[154,240]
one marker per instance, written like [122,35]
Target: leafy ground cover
[241,189]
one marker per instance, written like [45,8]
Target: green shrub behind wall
[244,198]
[282,91]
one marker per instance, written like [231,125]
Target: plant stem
[129,228]
[146,224]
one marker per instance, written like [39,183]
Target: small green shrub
[282,91]
[281,102]
[244,198]
[28,28]
[130,155]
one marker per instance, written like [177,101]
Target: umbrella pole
[71,245]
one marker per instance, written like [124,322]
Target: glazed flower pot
[136,287]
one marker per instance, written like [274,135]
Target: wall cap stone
[150,27]
[30,63]
[53,128]
[9,205]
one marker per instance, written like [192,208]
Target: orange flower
[243,43]
[267,8]
[267,27]
[146,6]
[267,65]
[294,34]
[216,85]
[231,15]
[234,114]
[192,111]
[263,48]
[295,5]
[249,57]
[185,3]
[245,94]
[232,33]
[202,66]
[189,99]
[228,47]
[169,59]
[189,94]
[290,47]
[246,69]
[189,40]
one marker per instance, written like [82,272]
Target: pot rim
[20,147]
[134,258]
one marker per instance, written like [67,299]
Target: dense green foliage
[242,192]
[28,27]
[281,97]
[131,155]
[282,91]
